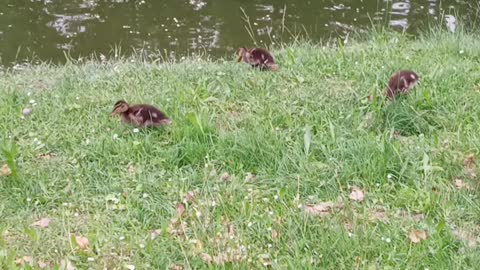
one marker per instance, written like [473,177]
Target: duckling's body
[401,83]
[140,115]
[257,57]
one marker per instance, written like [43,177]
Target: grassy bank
[249,154]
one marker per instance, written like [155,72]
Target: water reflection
[49,28]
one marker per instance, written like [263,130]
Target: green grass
[307,133]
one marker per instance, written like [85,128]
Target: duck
[140,115]
[257,58]
[401,82]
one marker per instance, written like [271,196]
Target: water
[48,29]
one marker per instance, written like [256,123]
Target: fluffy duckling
[401,83]
[257,57]
[140,115]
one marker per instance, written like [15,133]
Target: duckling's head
[120,106]
[241,52]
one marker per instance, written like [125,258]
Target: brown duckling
[140,115]
[401,83]
[257,57]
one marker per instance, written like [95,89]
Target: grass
[306,134]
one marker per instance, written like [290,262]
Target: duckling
[401,83]
[140,115]
[257,57]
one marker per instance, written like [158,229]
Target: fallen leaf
[177,227]
[274,234]
[82,242]
[469,166]
[155,233]
[226,177]
[42,223]
[130,267]
[190,197]
[356,194]
[378,215]
[180,209]
[206,258]
[197,245]
[42,265]
[175,267]
[459,184]
[5,170]
[321,209]
[416,236]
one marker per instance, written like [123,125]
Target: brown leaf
[221,259]
[206,258]
[155,233]
[226,177]
[180,209]
[42,223]
[469,166]
[82,242]
[416,236]
[356,194]
[459,184]
[378,215]
[24,260]
[190,197]
[175,267]
[5,170]
[321,209]
[274,234]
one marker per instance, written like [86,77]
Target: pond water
[47,29]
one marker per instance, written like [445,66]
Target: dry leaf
[176,267]
[416,236]
[180,208]
[274,234]
[321,209]
[82,242]
[459,184]
[469,166]
[42,265]
[226,177]
[5,170]
[206,258]
[176,227]
[378,215]
[42,223]
[24,260]
[190,197]
[356,194]
[155,233]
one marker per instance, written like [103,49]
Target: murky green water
[46,29]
